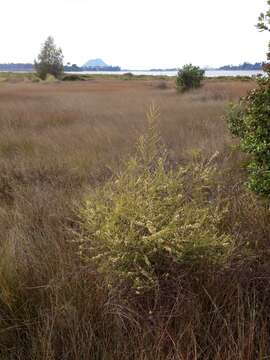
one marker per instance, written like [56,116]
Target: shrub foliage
[145,223]
[250,122]
[189,77]
[50,60]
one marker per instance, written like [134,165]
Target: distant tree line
[93,68]
[75,67]
[67,68]
[30,67]
[244,66]
[17,67]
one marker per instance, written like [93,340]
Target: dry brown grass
[58,139]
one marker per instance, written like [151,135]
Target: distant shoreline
[29,67]
[173,73]
[151,73]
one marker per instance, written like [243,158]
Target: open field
[101,115]
[59,139]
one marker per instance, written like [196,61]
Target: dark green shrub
[189,77]
[73,77]
[50,60]
[128,76]
[250,122]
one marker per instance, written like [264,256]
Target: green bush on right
[189,77]
[249,120]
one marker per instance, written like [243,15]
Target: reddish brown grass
[58,139]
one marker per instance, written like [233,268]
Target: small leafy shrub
[189,77]
[50,60]
[144,224]
[250,122]
[128,74]
[50,78]
[34,78]
[73,77]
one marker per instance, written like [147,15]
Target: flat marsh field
[58,140]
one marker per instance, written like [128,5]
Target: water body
[208,73]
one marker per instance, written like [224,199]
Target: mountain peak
[95,63]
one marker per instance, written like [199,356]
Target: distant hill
[98,65]
[95,63]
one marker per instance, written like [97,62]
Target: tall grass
[60,141]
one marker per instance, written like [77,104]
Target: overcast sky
[138,34]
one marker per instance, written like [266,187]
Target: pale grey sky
[138,34]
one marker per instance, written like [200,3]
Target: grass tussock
[62,149]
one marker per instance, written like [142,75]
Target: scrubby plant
[128,74]
[249,120]
[50,60]
[264,25]
[189,77]
[50,78]
[140,227]
[34,78]
[73,77]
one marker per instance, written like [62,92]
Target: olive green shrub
[145,223]
[189,77]
[50,60]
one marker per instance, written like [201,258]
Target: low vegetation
[141,226]
[189,77]
[50,60]
[130,239]
[74,77]
[249,120]
[75,182]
